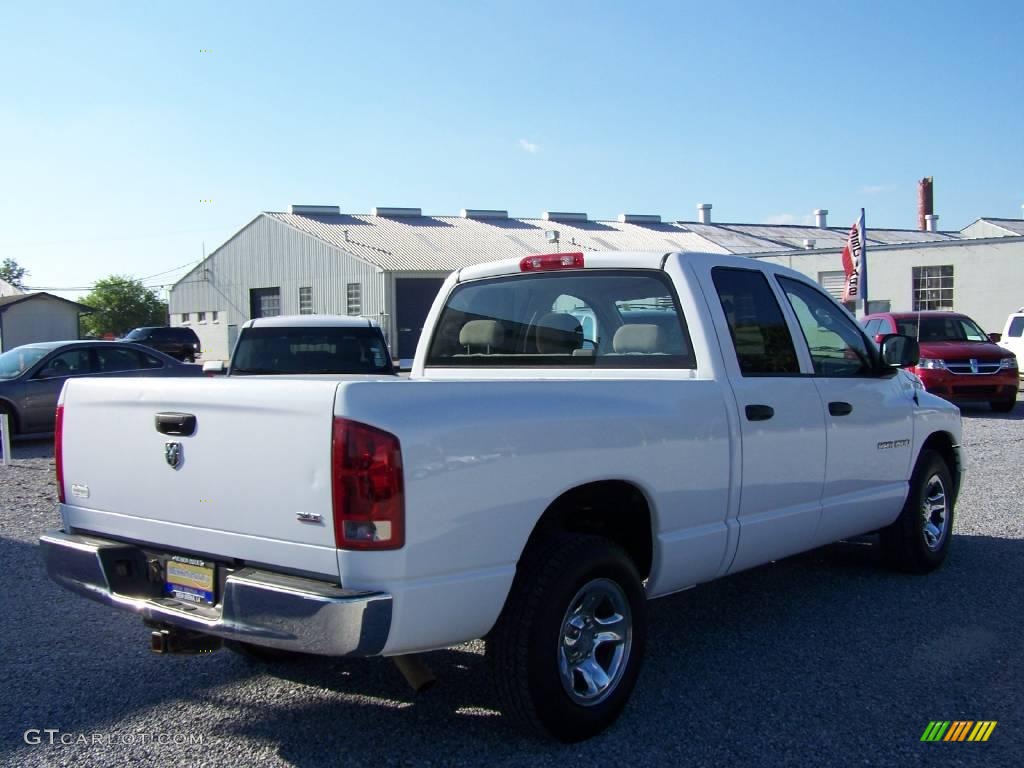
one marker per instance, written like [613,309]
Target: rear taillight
[368,487]
[547,261]
[58,451]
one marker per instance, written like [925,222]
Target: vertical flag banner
[855,266]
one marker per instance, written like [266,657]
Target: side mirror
[214,367]
[995,338]
[900,351]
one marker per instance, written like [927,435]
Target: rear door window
[582,318]
[758,328]
[1016,326]
[115,359]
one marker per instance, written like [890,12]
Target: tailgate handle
[180,424]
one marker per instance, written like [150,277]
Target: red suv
[959,361]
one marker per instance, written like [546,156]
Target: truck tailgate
[251,482]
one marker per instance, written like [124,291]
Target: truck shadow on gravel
[822,653]
[829,639]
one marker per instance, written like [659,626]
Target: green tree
[13,273]
[121,303]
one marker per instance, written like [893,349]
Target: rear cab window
[626,318]
[284,350]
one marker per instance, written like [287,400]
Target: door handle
[759,412]
[178,424]
[840,408]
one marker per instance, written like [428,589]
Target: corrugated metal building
[389,264]
[26,318]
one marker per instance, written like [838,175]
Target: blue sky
[115,124]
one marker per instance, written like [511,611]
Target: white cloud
[529,146]
[874,189]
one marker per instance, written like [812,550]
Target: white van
[1013,333]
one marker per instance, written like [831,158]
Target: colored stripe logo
[959,730]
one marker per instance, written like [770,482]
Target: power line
[167,271]
[90,287]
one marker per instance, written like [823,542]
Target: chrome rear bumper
[256,606]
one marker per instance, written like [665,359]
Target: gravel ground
[821,659]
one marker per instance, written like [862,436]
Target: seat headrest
[482,333]
[558,333]
[638,337]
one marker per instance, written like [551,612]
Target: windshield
[952,328]
[138,333]
[19,360]
[310,350]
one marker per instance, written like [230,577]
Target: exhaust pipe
[182,641]
[416,673]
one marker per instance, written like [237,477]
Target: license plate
[190,580]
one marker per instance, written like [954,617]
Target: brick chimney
[925,203]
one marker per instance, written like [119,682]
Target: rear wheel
[1003,406]
[919,540]
[567,649]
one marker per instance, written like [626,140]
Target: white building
[388,264]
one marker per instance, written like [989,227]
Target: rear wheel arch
[616,510]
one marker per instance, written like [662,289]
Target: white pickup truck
[580,432]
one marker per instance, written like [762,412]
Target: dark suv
[180,343]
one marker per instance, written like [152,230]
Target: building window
[184,317]
[264,302]
[213,317]
[305,301]
[201,317]
[354,299]
[834,284]
[933,287]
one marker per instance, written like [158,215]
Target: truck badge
[172,452]
[974,365]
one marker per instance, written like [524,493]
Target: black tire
[919,540]
[261,654]
[538,631]
[1003,406]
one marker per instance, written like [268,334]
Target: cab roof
[311,321]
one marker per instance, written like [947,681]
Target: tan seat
[638,338]
[482,337]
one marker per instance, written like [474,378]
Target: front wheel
[919,540]
[1003,406]
[567,649]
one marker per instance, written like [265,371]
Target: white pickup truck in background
[580,432]
[293,345]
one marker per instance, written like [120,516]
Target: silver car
[31,376]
